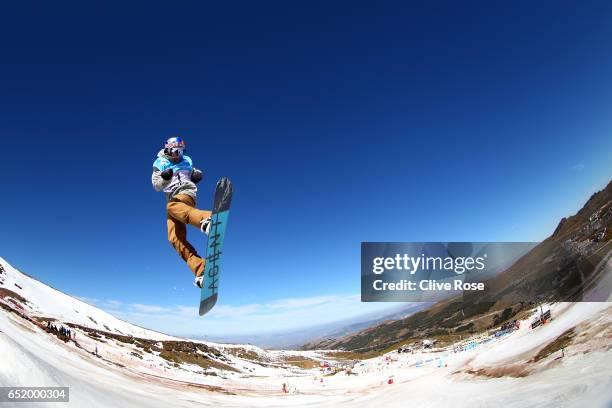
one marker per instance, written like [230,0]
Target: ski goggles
[175,151]
[175,142]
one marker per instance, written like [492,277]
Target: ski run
[108,362]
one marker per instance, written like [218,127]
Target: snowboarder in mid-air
[174,174]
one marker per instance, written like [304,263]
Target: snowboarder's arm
[157,180]
[160,177]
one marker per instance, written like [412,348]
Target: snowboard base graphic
[214,248]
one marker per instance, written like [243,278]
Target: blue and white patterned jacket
[180,183]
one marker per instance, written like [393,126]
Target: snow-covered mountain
[102,334]
[107,362]
[42,300]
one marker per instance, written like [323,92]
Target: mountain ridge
[577,245]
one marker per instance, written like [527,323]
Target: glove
[167,174]
[196,175]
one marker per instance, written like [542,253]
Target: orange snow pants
[182,211]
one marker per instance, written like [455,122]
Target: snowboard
[214,247]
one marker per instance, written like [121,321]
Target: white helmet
[175,148]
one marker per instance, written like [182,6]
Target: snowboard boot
[199,281]
[205,225]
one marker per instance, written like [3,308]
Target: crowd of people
[61,332]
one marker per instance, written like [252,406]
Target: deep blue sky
[337,122]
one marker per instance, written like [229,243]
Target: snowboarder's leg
[177,235]
[182,208]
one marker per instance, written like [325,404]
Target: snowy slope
[105,368]
[96,328]
[45,301]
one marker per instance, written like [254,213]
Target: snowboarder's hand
[196,175]
[167,174]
